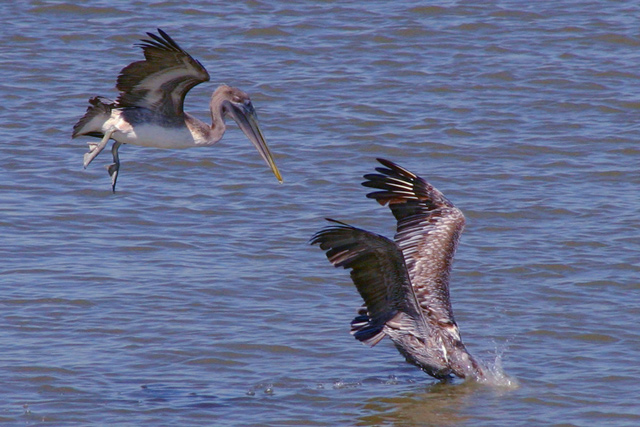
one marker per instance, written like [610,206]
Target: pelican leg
[95,149]
[115,167]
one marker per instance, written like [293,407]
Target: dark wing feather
[162,80]
[379,273]
[429,227]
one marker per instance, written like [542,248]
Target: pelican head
[236,104]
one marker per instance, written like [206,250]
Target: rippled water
[191,296]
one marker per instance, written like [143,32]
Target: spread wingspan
[428,229]
[405,284]
[162,80]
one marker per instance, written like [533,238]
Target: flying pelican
[405,284]
[149,110]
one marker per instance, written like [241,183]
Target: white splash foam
[495,376]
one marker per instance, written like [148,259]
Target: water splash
[267,388]
[392,380]
[339,384]
[495,376]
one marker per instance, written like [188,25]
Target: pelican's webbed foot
[115,166]
[95,149]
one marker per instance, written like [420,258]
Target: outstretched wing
[379,273]
[162,80]
[428,230]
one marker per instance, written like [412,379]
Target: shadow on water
[442,404]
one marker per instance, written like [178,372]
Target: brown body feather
[405,283]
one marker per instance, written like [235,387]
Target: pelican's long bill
[245,115]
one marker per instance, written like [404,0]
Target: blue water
[191,296]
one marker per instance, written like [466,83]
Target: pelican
[149,110]
[405,283]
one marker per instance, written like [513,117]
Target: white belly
[151,134]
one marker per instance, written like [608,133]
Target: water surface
[191,296]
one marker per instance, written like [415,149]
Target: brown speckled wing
[428,230]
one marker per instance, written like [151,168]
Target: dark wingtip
[393,180]
[316,237]
[166,37]
[395,168]
[164,41]
[344,224]
[387,163]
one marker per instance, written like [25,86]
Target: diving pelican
[405,283]
[149,110]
